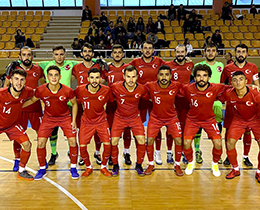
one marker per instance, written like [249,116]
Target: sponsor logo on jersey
[6,103]
[62,98]
[219,69]
[155,92]
[84,98]
[67,67]
[122,95]
[232,102]
[209,94]
[177,68]
[192,94]
[101,97]
[46,97]
[141,66]
[249,103]
[80,72]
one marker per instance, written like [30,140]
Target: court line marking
[62,189]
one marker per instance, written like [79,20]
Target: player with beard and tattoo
[211,52]
[33,112]
[115,74]
[251,72]
[80,72]
[201,96]
[181,71]
[147,67]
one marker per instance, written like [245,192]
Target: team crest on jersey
[188,68]
[247,71]
[137,95]
[209,94]
[171,92]
[219,69]
[67,67]
[154,66]
[62,98]
[35,74]
[22,101]
[249,103]
[101,97]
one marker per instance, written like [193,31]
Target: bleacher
[31,23]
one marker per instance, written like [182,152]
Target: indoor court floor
[161,190]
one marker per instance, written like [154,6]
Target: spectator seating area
[31,23]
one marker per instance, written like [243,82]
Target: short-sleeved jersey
[147,71]
[216,69]
[180,73]
[93,103]
[66,70]
[55,103]
[163,99]
[80,71]
[127,102]
[114,74]
[250,70]
[10,107]
[201,102]
[247,107]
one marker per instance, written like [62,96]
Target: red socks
[106,154]
[127,138]
[140,153]
[158,140]
[150,152]
[114,154]
[25,157]
[232,157]
[169,142]
[41,154]
[17,149]
[216,154]
[188,154]
[74,154]
[85,156]
[178,152]
[247,140]
[97,142]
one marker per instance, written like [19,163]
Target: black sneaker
[110,162]
[25,175]
[127,159]
[139,169]
[247,162]
[226,162]
[98,158]
[53,159]
[115,170]
[81,162]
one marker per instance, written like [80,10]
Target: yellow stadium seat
[11,18]
[199,36]
[233,29]
[160,36]
[201,44]
[167,54]
[194,44]
[24,24]
[6,24]
[255,43]
[229,36]
[219,22]
[202,12]
[37,18]
[14,13]
[2,30]
[247,43]
[163,12]
[203,22]
[83,30]
[145,18]
[29,31]
[144,12]
[38,12]
[36,38]
[228,22]
[15,24]
[239,36]
[120,13]
[169,37]
[9,46]
[81,36]
[173,44]
[210,22]
[168,30]
[28,18]
[31,13]
[46,18]
[189,36]
[33,24]
[5,38]
[181,22]
[2,45]
[243,29]
[42,24]
[252,29]
[230,51]
[215,17]
[257,16]
[250,16]
[46,13]
[5,13]
[20,18]
[214,28]
[11,31]
[153,12]
[21,13]
[39,31]
[166,23]
[4,54]
[246,22]
[206,16]
[224,29]
[85,24]
[175,23]
[248,36]
[236,12]
[238,22]
[128,13]
[3,18]
[14,54]
[244,12]
[253,52]
[177,29]
[211,12]
[234,43]
[179,37]
[226,43]
[255,22]
[112,13]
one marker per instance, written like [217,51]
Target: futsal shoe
[87,172]
[115,170]
[232,174]
[81,162]
[25,175]
[199,159]
[157,157]
[190,167]
[98,158]
[220,161]
[127,159]
[226,162]
[74,173]
[16,165]
[40,174]
[139,169]
[149,170]
[215,170]
[178,170]
[53,159]
[247,162]
[110,162]
[170,158]
[105,172]
[257,176]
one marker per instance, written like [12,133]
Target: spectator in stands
[103,21]
[188,26]
[139,37]
[217,39]
[140,25]
[112,29]
[171,13]
[182,13]
[253,10]
[76,46]
[29,43]
[86,14]
[93,29]
[196,25]
[100,46]
[226,12]
[150,26]
[189,48]
[110,44]
[120,19]
[135,47]
[228,57]
[122,40]
[159,26]
[158,43]
[89,39]
[100,36]
[208,41]
[120,29]
[193,14]
[108,36]
[131,28]
[19,39]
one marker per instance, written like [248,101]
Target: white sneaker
[215,170]
[157,157]
[190,167]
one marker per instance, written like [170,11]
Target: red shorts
[34,117]
[79,115]
[16,133]
[119,125]
[144,106]
[173,127]
[182,107]
[49,123]
[239,126]
[210,126]
[229,114]
[110,110]
[87,130]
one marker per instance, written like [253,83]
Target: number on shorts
[215,126]
[178,125]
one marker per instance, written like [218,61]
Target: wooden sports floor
[161,190]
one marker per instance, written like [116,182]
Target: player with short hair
[55,97]
[251,72]
[201,96]
[93,97]
[162,94]
[11,102]
[115,74]
[245,102]
[32,113]
[128,94]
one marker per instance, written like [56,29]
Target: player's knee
[41,143]
[114,141]
[27,146]
[72,142]
[186,144]
[230,144]
[150,141]
[217,144]
[178,141]
[106,143]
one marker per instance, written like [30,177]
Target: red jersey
[10,107]
[250,70]
[163,99]
[147,71]
[55,103]
[127,102]
[180,73]
[247,107]
[114,74]
[201,102]
[80,71]
[93,104]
